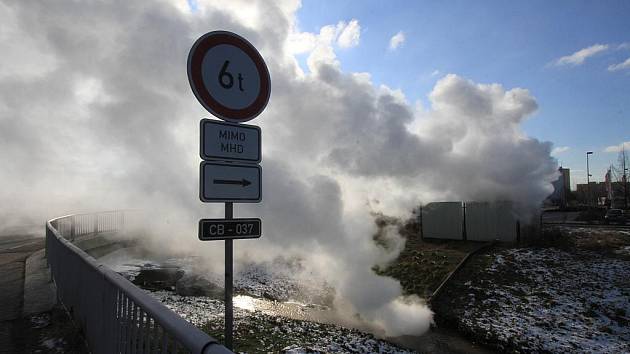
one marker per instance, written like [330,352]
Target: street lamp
[625,186]
[588,182]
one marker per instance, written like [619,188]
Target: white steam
[96,113]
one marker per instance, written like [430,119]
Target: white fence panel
[491,221]
[481,222]
[443,220]
[506,221]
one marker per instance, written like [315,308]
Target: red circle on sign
[195,77]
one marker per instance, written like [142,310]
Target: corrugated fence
[475,221]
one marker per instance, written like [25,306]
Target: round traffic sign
[228,76]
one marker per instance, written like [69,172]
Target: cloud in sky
[397,40]
[581,55]
[349,34]
[620,66]
[343,34]
[321,46]
[559,150]
[618,148]
[109,121]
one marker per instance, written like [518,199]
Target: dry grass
[423,264]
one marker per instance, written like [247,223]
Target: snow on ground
[280,279]
[259,332]
[550,300]
[54,345]
[267,322]
[624,251]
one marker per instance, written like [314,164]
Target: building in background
[602,194]
[616,192]
[561,189]
[617,189]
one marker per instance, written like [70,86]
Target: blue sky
[584,105]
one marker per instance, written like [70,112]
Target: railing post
[72,228]
[421,231]
[464,231]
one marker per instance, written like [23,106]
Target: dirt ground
[424,263]
[48,332]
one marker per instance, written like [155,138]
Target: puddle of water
[305,312]
[244,302]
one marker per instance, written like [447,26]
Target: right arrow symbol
[242,182]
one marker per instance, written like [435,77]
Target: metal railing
[115,315]
[72,226]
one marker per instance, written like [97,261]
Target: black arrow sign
[242,182]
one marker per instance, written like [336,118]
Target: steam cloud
[96,113]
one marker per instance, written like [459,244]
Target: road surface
[14,250]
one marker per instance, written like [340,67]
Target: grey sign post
[231,80]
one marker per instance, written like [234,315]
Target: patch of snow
[625,251]
[54,345]
[307,337]
[560,302]
[280,280]
[40,320]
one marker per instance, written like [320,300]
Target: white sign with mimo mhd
[229,142]
[229,182]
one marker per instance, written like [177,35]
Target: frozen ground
[274,312]
[258,332]
[564,303]
[565,299]
[280,279]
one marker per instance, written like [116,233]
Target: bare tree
[620,175]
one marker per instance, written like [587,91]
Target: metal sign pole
[222,145]
[229,281]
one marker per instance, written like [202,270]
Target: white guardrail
[115,315]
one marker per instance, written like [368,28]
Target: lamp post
[625,176]
[588,182]
[625,186]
